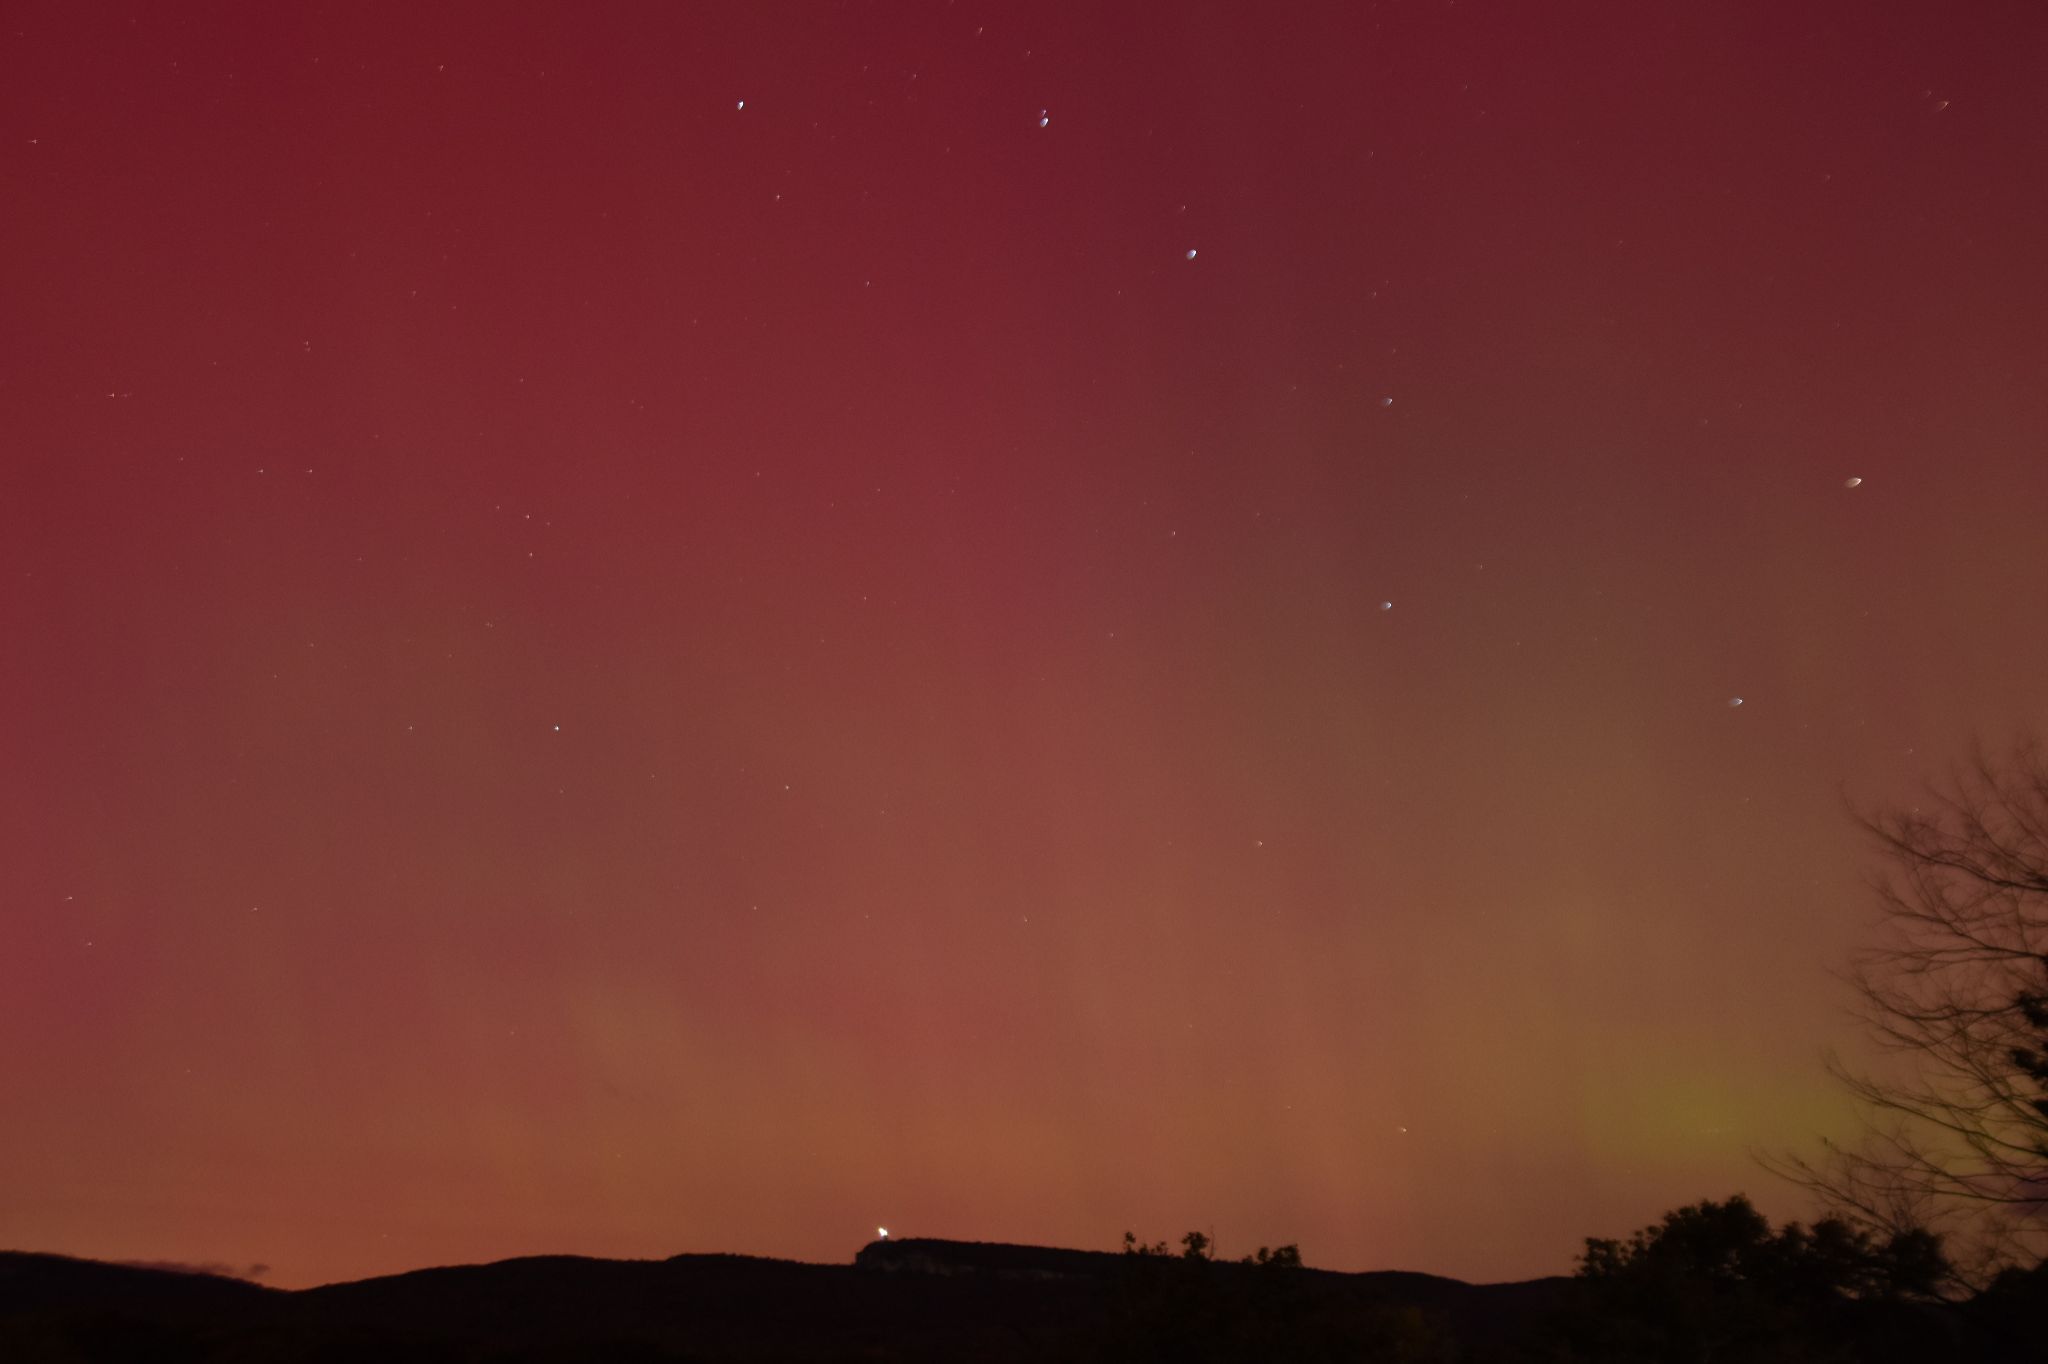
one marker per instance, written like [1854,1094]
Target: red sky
[652,628]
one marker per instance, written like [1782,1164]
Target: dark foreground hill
[910,1301]
[920,1302]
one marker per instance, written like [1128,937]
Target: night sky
[675,627]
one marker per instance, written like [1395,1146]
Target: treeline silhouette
[1714,1281]
[1710,1282]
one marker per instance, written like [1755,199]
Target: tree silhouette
[1276,1257]
[1956,993]
[1731,1245]
[1714,1281]
[1192,1308]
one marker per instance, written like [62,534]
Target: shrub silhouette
[1191,1308]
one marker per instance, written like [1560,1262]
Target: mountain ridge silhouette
[912,1299]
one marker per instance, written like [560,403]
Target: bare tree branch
[1954,992]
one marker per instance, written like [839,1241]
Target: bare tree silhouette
[1955,993]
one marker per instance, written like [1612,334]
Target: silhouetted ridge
[919,1301]
[50,1281]
[929,1255]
